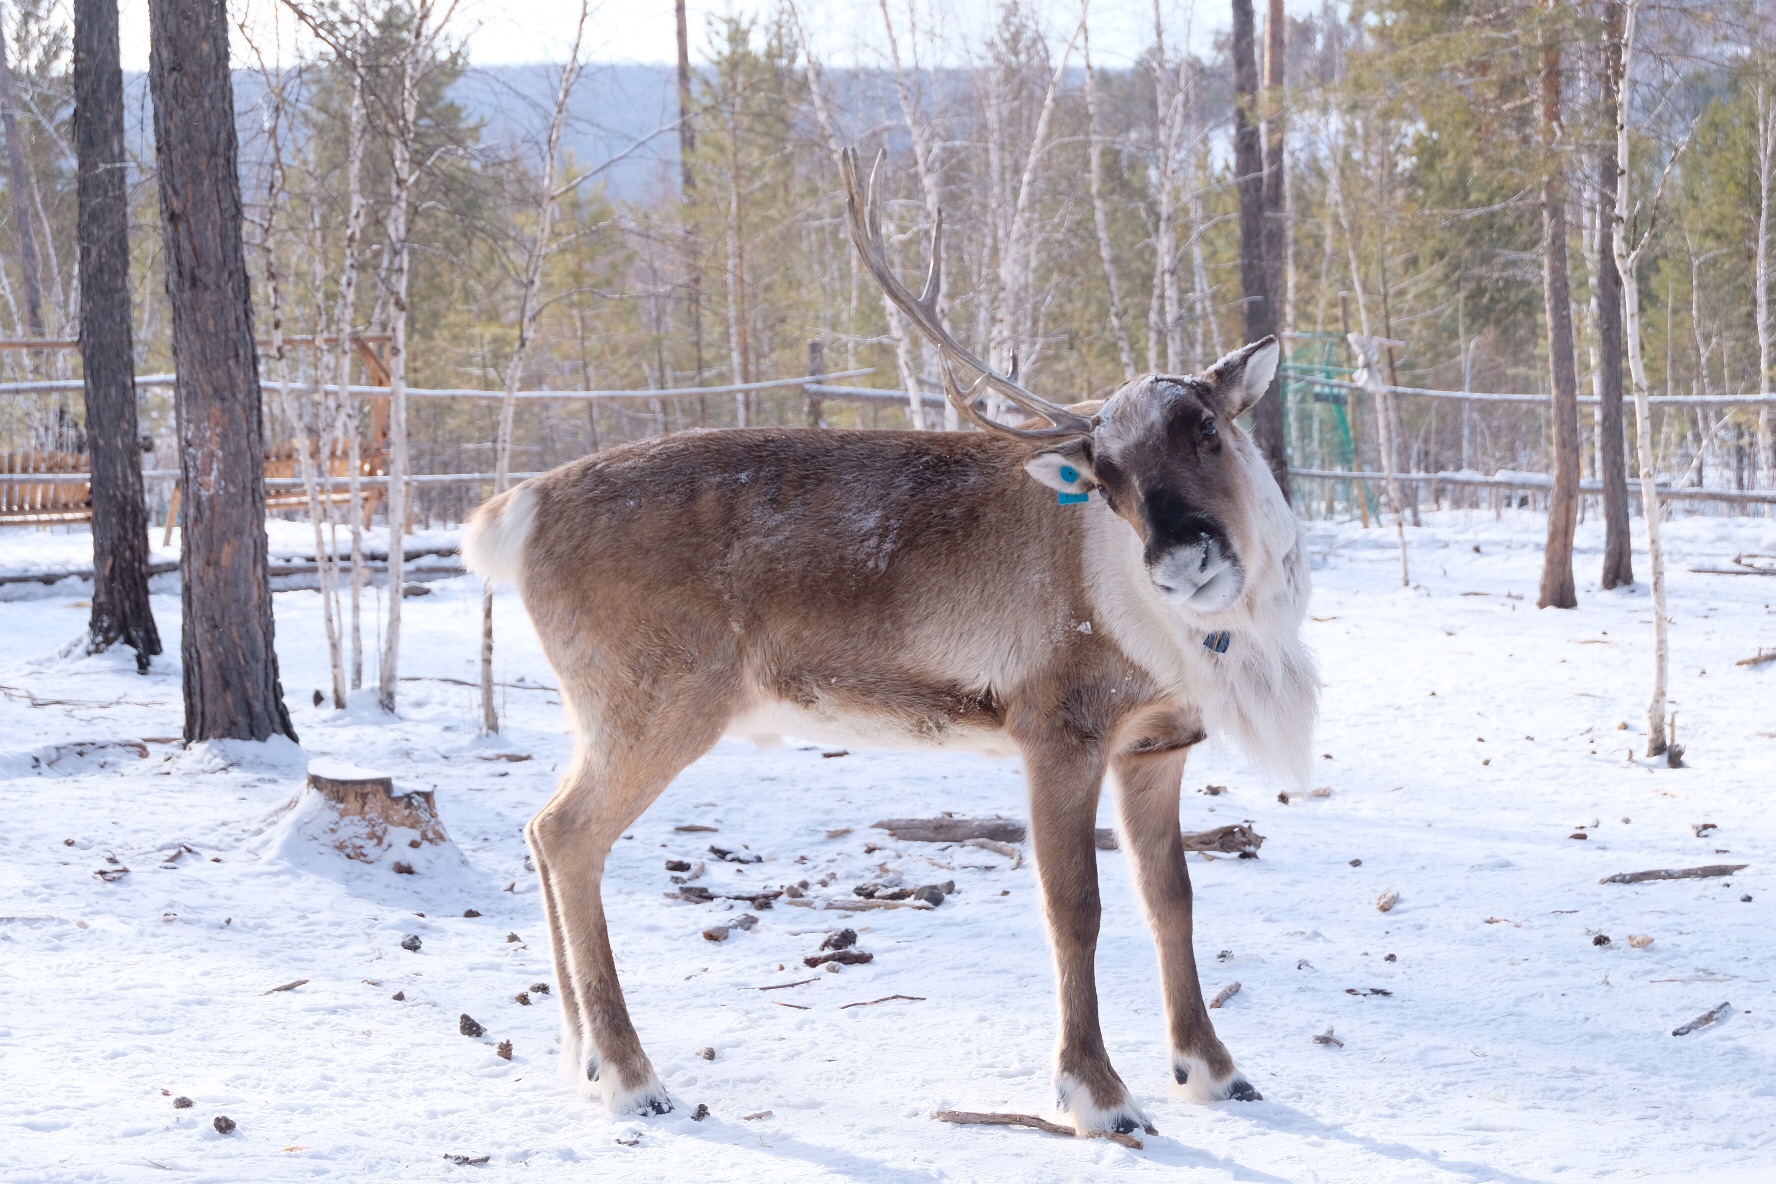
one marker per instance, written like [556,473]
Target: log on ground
[1232,840]
[1675,873]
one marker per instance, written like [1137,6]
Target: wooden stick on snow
[973,1118]
[1675,873]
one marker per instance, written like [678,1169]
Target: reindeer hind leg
[607,788]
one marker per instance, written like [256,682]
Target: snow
[1466,736]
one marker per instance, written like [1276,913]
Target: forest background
[1091,214]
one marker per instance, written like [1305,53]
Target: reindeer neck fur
[1263,692]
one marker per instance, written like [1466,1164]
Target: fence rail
[1544,400]
[1501,480]
[51,386]
[1541,481]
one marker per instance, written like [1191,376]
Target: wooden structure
[24,503]
[34,503]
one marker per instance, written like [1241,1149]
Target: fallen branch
[1009,850]
[972,1118]
[1703,1020]
[1757,659]
[785,986]
[1237,839]
[953,830]
[286,987]
[884,999]
[1675,873]
[1224,994]
[860,906]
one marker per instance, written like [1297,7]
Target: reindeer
[1096,595]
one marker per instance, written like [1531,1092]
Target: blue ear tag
[1070,474]
[1218,641]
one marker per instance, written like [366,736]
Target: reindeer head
[1163,451]
[1168,458]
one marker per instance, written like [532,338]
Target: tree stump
[369,798]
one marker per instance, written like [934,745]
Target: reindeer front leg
[1066,774]
[1148,782]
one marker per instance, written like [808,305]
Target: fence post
[816,368]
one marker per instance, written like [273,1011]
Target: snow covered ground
[1466,735]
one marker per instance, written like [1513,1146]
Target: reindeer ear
[1066,469]
[1241,378]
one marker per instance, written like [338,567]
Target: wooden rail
[1681,493]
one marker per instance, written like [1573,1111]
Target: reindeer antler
[865,210]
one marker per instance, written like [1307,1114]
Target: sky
[844,32]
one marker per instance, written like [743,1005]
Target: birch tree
[299,410]
[1100,216]
[1766,166]
[1630,242]
[428,21]
[897,326]
[1016,262]
[529,309]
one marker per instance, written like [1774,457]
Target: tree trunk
[1101,217]
[687,132]
[347,424]
[20,184]
[120,607]
[1276,229]
[402,177]
[231,671]
[1618,551]
[1626,259]
[1563,502]
[1248,167]
[925,164]
[529,310]
[1766,141]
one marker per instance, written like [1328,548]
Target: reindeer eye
[1209,430]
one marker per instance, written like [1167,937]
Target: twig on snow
[286,987]
[885,999]
[1224,994]
[1009,850]
[973,1118]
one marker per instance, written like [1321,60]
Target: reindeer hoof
[1200,1083]
[1241,1091]
[1076,1107]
